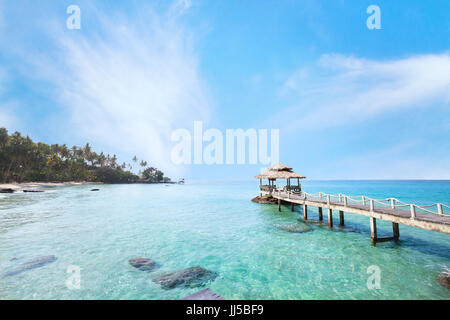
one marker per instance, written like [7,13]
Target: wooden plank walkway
[411,217]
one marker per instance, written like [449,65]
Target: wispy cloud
[129,83]
[341,89]
[179,7]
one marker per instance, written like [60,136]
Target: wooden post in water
[292,206]
[341,218]
[279,205]
[305,212]
[320,214]
[330,218]
[396,231]
[330,213]
[373,230]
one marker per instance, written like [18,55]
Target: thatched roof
[279,167]
[279,171]
[279,175]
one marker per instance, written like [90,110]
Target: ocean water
[215,226]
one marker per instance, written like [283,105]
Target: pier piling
[330,218]
[373,230]
[305,212]
[320,214]
[341,218]
[396,231]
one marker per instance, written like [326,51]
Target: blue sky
[350,103]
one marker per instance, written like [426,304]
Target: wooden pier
[390,209]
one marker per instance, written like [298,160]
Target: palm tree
[114,164]
[143,163]
[101,159]
[88,154]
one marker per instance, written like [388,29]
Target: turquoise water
[215,226]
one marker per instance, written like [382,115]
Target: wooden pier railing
[441,209]
[435,217]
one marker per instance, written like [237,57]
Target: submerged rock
[39,262]
[143,264]
[316,222]
[444,279]
[205,294]
[294,228]
[188,278]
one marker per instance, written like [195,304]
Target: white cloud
[130,84]
[181,6]
[401,161]
[341,89]
[7,118]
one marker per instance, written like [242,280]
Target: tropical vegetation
[22,160]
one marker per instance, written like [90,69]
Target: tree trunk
[5,178]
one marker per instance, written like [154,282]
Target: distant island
[22,160]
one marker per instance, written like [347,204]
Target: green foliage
[110,175]
[153,175]
[23,160]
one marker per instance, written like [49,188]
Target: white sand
[37,185]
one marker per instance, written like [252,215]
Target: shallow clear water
[215,226]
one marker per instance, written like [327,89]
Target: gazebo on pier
[279,171]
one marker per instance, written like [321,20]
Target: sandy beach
[38,185]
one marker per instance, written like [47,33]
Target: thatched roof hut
[279,171]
